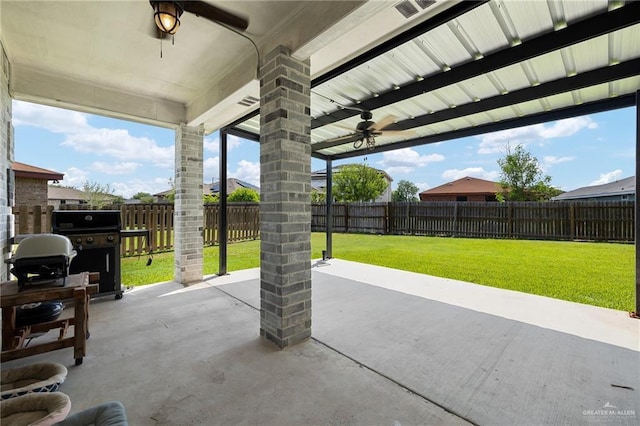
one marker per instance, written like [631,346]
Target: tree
[97,195]
[522,178]
[358,182]
[171,194]
[318,196]
[210,198]
[244,194]
[144,197]
[406,192]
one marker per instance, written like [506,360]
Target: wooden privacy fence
[242,219]
[589,221]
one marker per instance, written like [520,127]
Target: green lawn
[598,274]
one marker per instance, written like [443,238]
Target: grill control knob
[78,240]
[109,238]
[89,240]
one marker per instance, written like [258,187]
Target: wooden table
[77,287]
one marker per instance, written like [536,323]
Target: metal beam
[563,85]
[558,114]
[244,134]
[567,84]
[575,33]
[637,218]
[223,228]
[329,204]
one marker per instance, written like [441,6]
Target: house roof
[624,186]
[63,193]
[465,185]
[29,171]
[214,188]
[232,185]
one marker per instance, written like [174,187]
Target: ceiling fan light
[167,14]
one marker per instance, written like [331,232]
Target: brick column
[285,201]
[188,216]
[6,157]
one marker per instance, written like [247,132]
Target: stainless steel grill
[95,235]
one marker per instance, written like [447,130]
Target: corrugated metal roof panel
[487,29]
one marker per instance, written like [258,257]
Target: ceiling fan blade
[348,138]
[215,14]
[386,121]
[397,132]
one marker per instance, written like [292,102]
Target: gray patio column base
[189,210]
[285,201]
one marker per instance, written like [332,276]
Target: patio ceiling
[101,56]
[479,67]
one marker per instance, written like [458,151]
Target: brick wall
[31,191]
[6,158]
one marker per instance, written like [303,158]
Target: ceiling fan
[367,130]
[167,14]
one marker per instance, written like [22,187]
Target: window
[461,198]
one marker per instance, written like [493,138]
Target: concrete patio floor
[389,348]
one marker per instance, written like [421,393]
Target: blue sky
[131,157]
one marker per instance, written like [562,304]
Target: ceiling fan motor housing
[364,125]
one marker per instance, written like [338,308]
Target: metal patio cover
[480,67]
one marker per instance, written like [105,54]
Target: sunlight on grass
[598,274]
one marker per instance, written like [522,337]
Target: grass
[599,274]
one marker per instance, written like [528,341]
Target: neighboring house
[59,195]
[210,188]
[232,185]
[62,195]
[319,182]
[31,184]
[465,189]
[620,190]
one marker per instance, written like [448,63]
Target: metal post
[637,218]
[223,232]
[329,203]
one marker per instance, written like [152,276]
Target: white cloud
[212,142]
[121,168]
[248,172]
[406,160]
[422,186]
[478,172]
[567,127]
[211,169]
[82,137]
[151,186]
[118,143]
[52,119]
[74,177]
[493,143]
[551,160]
[608,177]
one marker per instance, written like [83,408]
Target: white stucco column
[189,209]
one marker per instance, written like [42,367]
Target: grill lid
[44,245]
[85,221]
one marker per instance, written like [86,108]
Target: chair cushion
[34,378]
